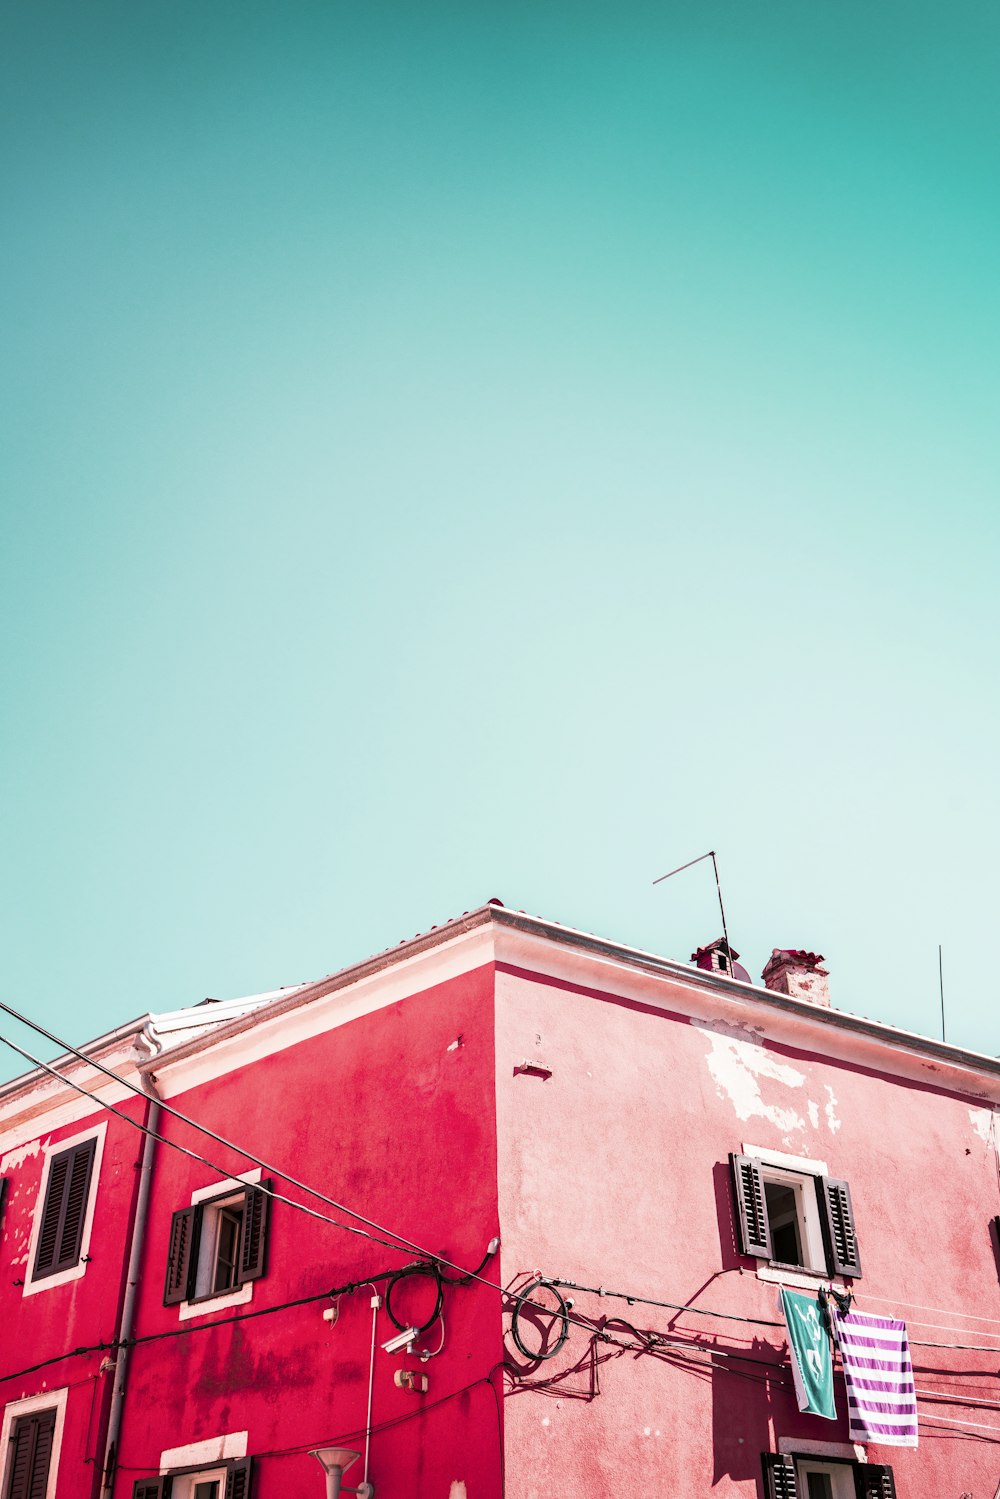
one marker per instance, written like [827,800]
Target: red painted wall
[614,1173]
[81,1313]
[387,1114]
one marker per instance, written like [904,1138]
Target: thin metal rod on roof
[718,887]
[941,987]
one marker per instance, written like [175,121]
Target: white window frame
[183,1484]
[52,1148]
[842,1475]
[799,1172]
[219,1194]
[16,1408]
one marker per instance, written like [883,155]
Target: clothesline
[917,1306]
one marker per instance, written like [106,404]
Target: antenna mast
[718,889]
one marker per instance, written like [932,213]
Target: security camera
[404,1339]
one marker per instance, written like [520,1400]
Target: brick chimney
[719,957]
[792,971]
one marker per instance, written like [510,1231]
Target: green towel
[812,1363]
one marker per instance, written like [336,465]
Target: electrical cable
[465,1276]
[421,1268]
[632,1300]
[675,1306]
[562,1312]
[194,1155]
[203,1129]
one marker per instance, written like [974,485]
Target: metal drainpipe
[132,1283]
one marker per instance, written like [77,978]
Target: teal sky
[467,450]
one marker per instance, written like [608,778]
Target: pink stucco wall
[614,1173]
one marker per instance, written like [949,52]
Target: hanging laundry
[812,1364]
[880,1394]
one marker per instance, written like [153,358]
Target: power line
[285,1176]
[202,1128]
[193,1154]
[349,1228]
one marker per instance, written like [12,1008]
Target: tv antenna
[718,888]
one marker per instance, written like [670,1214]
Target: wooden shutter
[239,1479]
[30,1454]
[66,1192]
[751,1207]
[182,1255]
[874,1481]
[253,1245]
[780,1481]
[839,1235]
[152,1488]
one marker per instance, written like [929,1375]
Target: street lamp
[334,1461]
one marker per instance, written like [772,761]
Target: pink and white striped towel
[880,1394]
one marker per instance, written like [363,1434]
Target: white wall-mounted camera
[404,1339]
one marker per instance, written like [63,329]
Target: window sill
[49,1282]
[797,1277]
[202,1305]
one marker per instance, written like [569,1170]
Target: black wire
[465,1276]
[674,1306]
[187,1328]
[422,1267]
[561,1311]
[193,1154]
[205,1130]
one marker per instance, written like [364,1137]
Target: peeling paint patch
[457,1490]
[831,1110]
[981,1121]
[737,1063]
[813,1108]
[15,1158]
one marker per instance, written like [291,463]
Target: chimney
[719,957]
[791,971]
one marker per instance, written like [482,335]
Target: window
[30,1455]
[794,1477]
[30,1441]
[794,1218]
[217,1246]
[825,1480]
[60,1233]
[232,1479]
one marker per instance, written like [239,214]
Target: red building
[656,1146]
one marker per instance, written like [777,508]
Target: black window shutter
[253,1247]
[839,1234]
[239,1479]
[780,1481]
[751,1208]
[77,1187]
[182,1255]
[874,1481]
[21,1455]
[30,1454]
[152,1488]
[65,1208]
